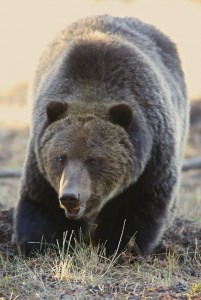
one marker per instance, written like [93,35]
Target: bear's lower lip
[74,213]
[74,210]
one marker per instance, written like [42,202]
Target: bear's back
[153,44]
[104,58]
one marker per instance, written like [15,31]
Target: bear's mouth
[74,212]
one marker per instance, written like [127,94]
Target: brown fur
[110,117]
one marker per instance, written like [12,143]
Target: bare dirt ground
[173,272]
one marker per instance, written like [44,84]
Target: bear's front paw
[29,248]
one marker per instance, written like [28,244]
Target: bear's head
[86,158]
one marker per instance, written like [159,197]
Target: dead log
[188,164]
[10,173]
[192,163]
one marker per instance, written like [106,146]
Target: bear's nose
[69,199]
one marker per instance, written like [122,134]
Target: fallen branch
[10,173]
[192,163]
[188,164]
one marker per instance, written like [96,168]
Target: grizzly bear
[109,125]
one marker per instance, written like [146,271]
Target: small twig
[115,255]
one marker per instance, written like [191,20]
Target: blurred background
[26,26]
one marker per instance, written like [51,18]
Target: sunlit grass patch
[85,271]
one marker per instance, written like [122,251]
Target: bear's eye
[93,161]
[62,159]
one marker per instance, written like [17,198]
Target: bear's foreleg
[35,228]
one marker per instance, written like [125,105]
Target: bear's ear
[56,110]
[121,114]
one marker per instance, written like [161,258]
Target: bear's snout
[71,204]
[70,199]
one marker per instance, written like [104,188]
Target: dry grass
[84,274]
